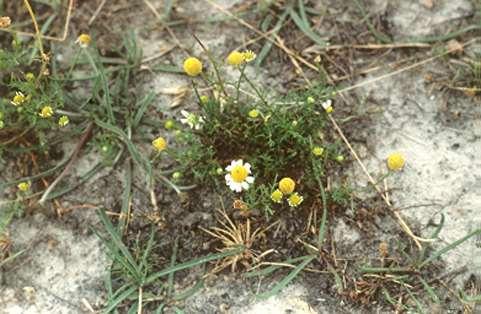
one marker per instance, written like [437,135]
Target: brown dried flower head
[5,21]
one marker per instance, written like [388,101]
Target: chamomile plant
[243,140]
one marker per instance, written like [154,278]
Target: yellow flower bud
[395,161]
[159,144]
[287,185]
[192,66]
[46,112]
[277,196]
[235,58]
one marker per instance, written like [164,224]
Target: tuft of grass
[134,280]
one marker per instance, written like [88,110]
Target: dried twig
[97,11]
[46,37]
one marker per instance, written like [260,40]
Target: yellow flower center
[84,40]
[46,112]
[249,55]
[18,99]
[254,113]
[318,151]
[63,121]
[235,58]
[204,99]
[159,144]
[24,186]
[29,76]
[295,199]
[287,185]
[276,196]
[192,66]
[238,173]
[395,161]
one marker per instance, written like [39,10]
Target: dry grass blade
[233,235]
[46,37]
[264,35]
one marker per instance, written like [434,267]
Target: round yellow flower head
[159,144]
[46,112]
[83,40]
[249,55]
[29,76]
[339,158]
[18,99]
[310,100]
[287,185]
[295,200]
[24,186]
[204,99]
[254,113]
[395,161]
[192,66]
[235,58]
[63,121]
[277,196]
[317,151]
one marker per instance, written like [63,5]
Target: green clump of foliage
[275,135]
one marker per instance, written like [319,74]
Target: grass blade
[322,226]
[170,279]
[268,45]
[378,35]
[134,152]
[192,263]
[11,258]
[112,305]
[142,105]
[416,301]
[78,183]
[148,249]
[287,279]
[268,270]
[189,292]
[117,245]
[470,299]
[449,247]
[126,198]
[306,29]
[430,291]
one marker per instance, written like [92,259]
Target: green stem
[254,88]
[237,88]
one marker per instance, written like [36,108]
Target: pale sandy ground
[64,265]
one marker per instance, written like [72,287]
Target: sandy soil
[65,263]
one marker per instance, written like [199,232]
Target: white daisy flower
[192,120]
[238,178]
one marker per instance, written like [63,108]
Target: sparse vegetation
[243,177]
